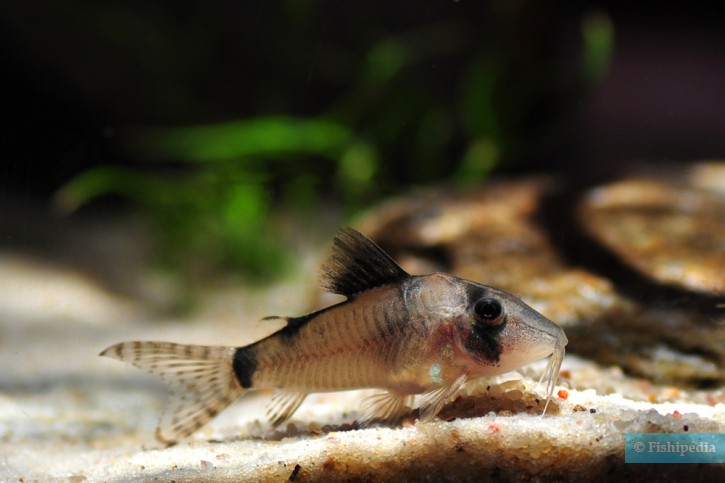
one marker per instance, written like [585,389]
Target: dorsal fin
[357,264]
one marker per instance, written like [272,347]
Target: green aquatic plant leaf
[267,136]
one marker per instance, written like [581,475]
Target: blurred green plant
[222,208]
[445,100]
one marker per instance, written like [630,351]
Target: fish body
[406,335]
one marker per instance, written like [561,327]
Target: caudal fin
[200,378]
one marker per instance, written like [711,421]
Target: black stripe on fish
[483,340]
[289,332]
[357,264]
[484,345]
[244,365]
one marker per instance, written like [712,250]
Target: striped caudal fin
[200,378]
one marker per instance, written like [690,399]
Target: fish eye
[488,311]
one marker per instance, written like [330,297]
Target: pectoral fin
[432,401]
[387,406]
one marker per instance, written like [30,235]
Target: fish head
[498,333]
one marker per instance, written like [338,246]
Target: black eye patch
[483,346]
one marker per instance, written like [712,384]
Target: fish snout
[552,337]
[536,337]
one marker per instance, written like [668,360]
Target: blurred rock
[634,269]
[669,228]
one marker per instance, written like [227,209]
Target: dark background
[434,92]
[67,84]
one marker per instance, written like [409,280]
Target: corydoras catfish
[407,335]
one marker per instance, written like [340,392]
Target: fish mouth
[546,338]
